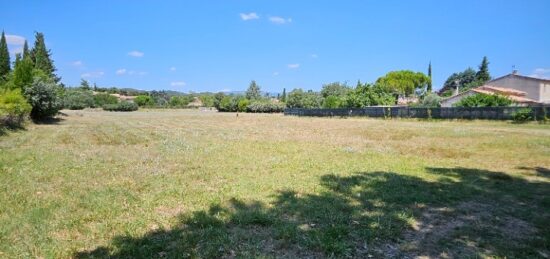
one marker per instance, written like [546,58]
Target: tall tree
[41,57]
[84,84]
[4,58]
[403,82]
[22,72]
[26,52]
[283,98]
[429,88]
[483,74]
[253,91]
[465,79]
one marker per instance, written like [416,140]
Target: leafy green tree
[335,89]
[369,95]
[4,58]
[283,97]
[465,79]
[207,100]
[429,88]
[483,74]
[43,96]
[226,104]
[253,91]
[217,99]
[403,82]
[484,100]
[297,98]
[41,57]
[332,102]
[144,100]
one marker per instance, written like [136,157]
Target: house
[522,90]
[519,98]
[537,89]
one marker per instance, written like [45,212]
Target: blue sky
[222,45]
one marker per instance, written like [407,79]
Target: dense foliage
[4,58]
[43,96]
[523,115]
[265,107]
[466,79]
[144,100]
[484,100]
[404,82]
[78,99]
[369,95]
[123,106]
[101,99]
[13,108]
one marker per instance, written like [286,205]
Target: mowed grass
[174,183]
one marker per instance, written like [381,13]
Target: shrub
[523,115]
[242,105]
[78,99]
[265,107]
[14,108]
[101,99]
[144,100]
[121,107]
[431,100]
[43,96]
[484,100]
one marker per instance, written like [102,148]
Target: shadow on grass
[48,121]
[463,213]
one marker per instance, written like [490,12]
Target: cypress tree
[26,52]
[483,75]
[22,72]
[429,88]
[41,57]
[283,98]
[4,57]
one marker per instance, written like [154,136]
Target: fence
[488,113]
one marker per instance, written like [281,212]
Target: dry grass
[112,184]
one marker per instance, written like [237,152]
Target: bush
[144,100]
[78,99]
[431,100]
[484,100]
[523,115]
[265,107]
[121,107]
[44,99]
[14,108]
[242,105]
[101,99]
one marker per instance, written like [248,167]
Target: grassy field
[176,183]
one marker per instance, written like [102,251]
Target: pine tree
[84,84]
[4,58]
[283,98]
[483,75]
[26,52]
[429,88]
[253,92]
[41,57]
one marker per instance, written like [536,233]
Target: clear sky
[222,45]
